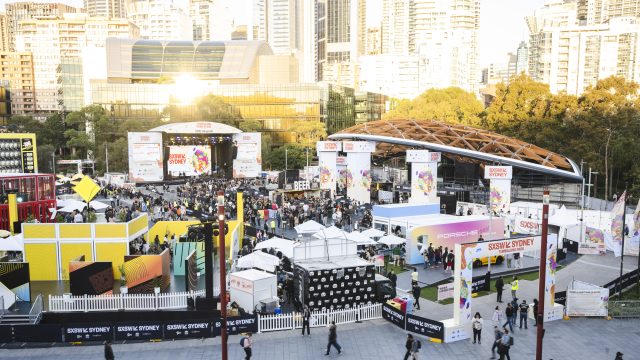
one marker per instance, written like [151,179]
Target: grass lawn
[396,269]
[431,292]
[632,293]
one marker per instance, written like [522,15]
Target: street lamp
[286,165]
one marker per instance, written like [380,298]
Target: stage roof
[463,142]
[197,127]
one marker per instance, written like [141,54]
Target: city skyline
[492,22]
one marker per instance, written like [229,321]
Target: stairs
[15,319]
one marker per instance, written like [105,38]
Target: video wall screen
[189,160]
[145,157]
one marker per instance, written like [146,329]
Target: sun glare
[187,89]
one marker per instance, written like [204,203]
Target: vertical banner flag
[500,187]
[635,233]
[358,176]
[327,153]
[550,277]
[616,223]
[424,175]
[594,242]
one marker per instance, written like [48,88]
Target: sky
[502,24]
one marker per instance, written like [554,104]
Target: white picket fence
[86,303]
[319,318]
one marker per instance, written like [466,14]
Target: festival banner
[634,242]
[523,225]
[248,160]
[594,242]
[424,182]
[616,223]
[500,196]
[551,266]
[327,165]
[145,156]
[190,160]
[358,177]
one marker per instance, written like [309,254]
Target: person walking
[476,324]
[619,356]
[496,342]
[393,277]
[497,317]
[246,345]
[408,345]
[514,314]
[524,311]
[415,348]
[306,316]
[416,295]
[505,343]
[108,351]
[499,287]
[514,286]
[508,313]
[333,339]
[414,276]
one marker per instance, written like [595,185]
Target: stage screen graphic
[190,160]
[145,157]
[90,278]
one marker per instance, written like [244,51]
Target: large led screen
[189,160]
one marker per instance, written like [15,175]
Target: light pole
[53,161]
[286,165]
[223,274]
[542,280]
[624,213]
[606,166]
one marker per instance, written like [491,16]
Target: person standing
[408,345]
[619,356]
[108,351]
[497,317]
[535,312]
[416,295]
[476,324]
[393,277]
[499,287]
[445,258]
[524,309]
[514,286]
[508,313]
[496,342]
[246,345]
[514,315]
[414,276]
[333,339]
[306,316]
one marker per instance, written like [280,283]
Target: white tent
[372,233]
[284,245]
[258,260]
[331,232]
[360,238]
[309,227]
[71,205]
[12,243]
[391,240]
[568,224]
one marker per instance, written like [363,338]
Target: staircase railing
[36,310]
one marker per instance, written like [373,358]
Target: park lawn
[389,266]
[632,293]
[431,292]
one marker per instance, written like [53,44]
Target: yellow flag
[87,189]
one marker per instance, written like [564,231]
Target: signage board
[237,325]
[358,146]
[187,329]
[426,327]
[145,156]
[138,331]
[88,332]
[396,316]
[498,172]
[328,146]
[423,156]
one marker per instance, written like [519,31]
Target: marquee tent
[392,240]
[258,260]
[309,227]
[283,245]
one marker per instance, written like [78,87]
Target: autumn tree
[308,133]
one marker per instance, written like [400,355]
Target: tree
[296,157]
[452,105]
[308,133]
[250,125]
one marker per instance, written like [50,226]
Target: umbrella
[331,232]
[4,233]
[373,233]
[391,240]
[309,227]
[71,204]
[284,245]
[258,260]
[360,238]
[12,243]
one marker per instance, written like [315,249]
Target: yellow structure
[26,156]
[13,210]
[49,247]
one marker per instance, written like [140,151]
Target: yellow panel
[114,252]
[43,261]
[69,252]
[162,228]
[75,231]
[113,231]
[138,224]
[39,231]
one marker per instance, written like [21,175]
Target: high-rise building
[4,32]
[396,76]
[221,24]
[398,26]
[160,19]
[17,69]
[570,55]
[52,39]
[374,41]
[522,59]
[239,33]
[20,11]
[200,12]
[276,22]
[501,72]
[592,12]
[105,8]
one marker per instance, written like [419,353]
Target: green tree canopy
[296,157]
[308,133]
[452,105]
[250,125]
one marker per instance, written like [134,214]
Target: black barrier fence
[560,297]
[134,330]
[481,283]
[415,324]
[628,279]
